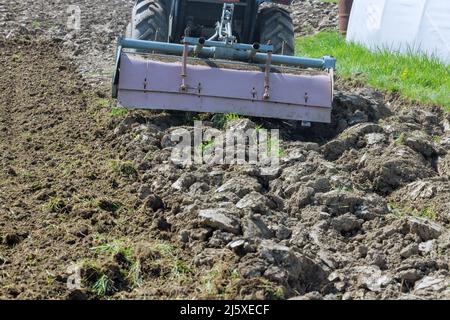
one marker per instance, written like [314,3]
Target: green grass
[329,1]
[206,145]
[36,24]
[400,140]
[401,211]
[220,120]
[134,276]
[219,282]
[103,103]
[180,268]
[437,139]
[108,205]
[55,205]
[417,78]
[130,266]
[428,213]
[232,116]
[113,248]
[272,143]
[117,112]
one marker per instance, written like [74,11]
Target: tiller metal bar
[220,75]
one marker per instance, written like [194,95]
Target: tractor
[220,56]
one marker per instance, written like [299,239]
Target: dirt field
[359,209]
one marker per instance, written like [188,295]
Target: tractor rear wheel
[275,24]
[149,21]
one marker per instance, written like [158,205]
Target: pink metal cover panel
[152,84]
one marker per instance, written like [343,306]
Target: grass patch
[220,282]
[219,120]
[104,286]
[180,268]
[18,57]
[126,169]
[113,248]
[437,139]
[427,213]
[170,262]
[36,24]
[102,103]
[273,292]
[418,78]
[134,276]
[55,205]
[271,144]
[400,211]
[232,116]
[206,145]
[130,272]
[400,140]
[108,205]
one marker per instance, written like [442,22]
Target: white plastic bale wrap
[420,26]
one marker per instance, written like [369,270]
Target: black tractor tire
[149,21]
[275,24]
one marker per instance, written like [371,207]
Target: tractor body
[232,56]
[202,16]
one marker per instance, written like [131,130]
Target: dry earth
[359,209]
